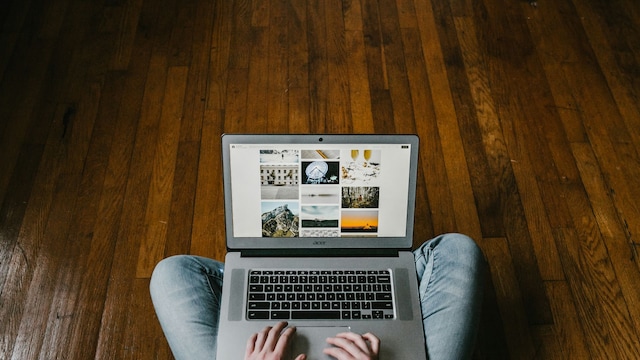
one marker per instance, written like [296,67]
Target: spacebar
[315,315]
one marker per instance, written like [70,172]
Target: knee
[463,247]
[177,270]
[165,273]
[458,249]
[171,272]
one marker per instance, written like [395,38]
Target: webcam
[320,139]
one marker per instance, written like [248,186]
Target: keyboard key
[280,315]
[385,305]
[259,305]
[383,296]
[311,314]
[258,315]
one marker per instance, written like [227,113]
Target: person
[186,289]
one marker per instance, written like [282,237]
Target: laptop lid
[308,193]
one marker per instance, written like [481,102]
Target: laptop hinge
[320,253]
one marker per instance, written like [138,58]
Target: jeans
[186,290]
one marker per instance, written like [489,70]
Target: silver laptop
[319,231]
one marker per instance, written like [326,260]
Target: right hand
[351,346]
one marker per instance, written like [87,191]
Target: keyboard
[320,295]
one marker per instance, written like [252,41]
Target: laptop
[319,230]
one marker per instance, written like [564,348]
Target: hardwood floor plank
[352,12]
[338,104]
[196,90]
[180,219]
[507,152]
[492,340]
[603,314]
[30,138]
[219,55]
[142,335]
[186,173]
[545,340]
[208,233]
[96,254]
[20,91]
[164,167]
[130,227]
[97,150]
[318,69]
[235,109]
[33,263]
[567,327]
[516,105]
[257,111]
[240,34]
[593,96]
[467,219]
[613,232]
[260,13]
[278,70]
[378,76]
[406,14]
[509,298]
[551,26]
[298,65]
[615,47]
[13,15]
[359,93]
[62,315]
[182,34]
[598,104]
[381,101]
[15,204]
[441,215]
[126,35]
[394,60]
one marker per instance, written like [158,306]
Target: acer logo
[319,242]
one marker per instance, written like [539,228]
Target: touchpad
[311,340]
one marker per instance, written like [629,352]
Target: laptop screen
[341,188]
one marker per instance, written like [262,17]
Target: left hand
[271,343]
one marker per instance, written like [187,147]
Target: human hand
[351,346]
[271,343]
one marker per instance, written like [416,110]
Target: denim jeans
[186,290]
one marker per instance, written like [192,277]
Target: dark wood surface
[111,114]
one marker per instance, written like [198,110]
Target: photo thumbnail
[359,221]
[280,219]
[320,172]
[360,197]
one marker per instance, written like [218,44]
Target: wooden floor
[110,119]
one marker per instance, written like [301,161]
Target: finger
[273,335]
[337,353]
[357,340]
[347,346]
[251,345]
[283,341]
[261,338]
[374,342]
[301,357]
